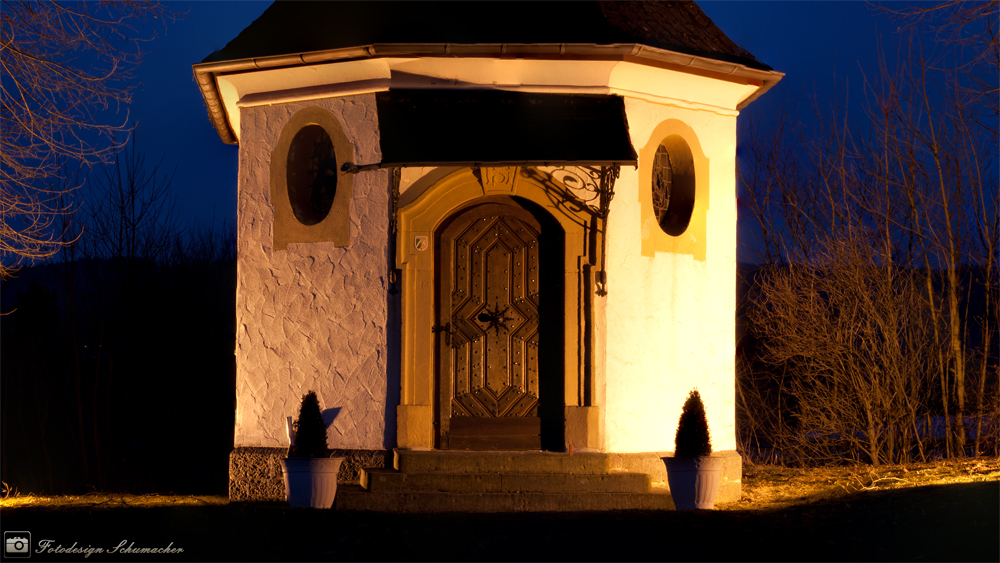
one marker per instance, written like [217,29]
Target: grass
[769,487]
[945,511]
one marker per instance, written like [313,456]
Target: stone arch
[417,224]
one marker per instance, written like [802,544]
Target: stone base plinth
[255,472]
[730,486]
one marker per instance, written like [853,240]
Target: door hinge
[446,330]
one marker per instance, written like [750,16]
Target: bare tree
[892,227]
[848,329]
[131,229]
[63,64]
[971,26]
[132,216]
[117,341]
[966,166]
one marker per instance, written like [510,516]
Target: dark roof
[289,27]
[525,128]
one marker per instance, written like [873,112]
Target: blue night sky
[811,42]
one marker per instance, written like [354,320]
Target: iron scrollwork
[594,186]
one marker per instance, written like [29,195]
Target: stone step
[377,480]
[353,497]
[409,461]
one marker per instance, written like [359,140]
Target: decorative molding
[497,180]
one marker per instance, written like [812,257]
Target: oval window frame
[335,226]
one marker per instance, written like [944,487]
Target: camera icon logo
[16,545]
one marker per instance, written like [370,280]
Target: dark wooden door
[489,335]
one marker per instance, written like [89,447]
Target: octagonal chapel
[505,229]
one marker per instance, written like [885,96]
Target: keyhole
[484,318]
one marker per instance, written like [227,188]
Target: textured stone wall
[313,316]
[255,473]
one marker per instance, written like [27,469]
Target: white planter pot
[310,482]
[694,481]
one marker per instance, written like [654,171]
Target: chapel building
[483,227]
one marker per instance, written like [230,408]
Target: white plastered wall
[671,315]
[312,317]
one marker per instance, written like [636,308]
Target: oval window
[311,174]
[673,192]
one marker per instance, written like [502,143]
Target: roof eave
[205,73]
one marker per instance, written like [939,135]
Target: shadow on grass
[958,522]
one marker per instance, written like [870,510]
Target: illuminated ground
[947,511]
[770,487]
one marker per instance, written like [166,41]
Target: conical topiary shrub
[310,432]
[309,474]
[693,438]
[693,473]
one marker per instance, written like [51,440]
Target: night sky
[816,44]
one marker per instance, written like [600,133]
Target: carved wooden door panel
[489,312]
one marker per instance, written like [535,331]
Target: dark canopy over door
[479,127]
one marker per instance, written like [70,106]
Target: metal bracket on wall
[591,187]
[606,192]
[397,174]
[393,221]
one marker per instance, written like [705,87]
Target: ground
[945,511]
[770,487]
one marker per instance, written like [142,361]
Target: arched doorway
[499,327]
[569,350]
